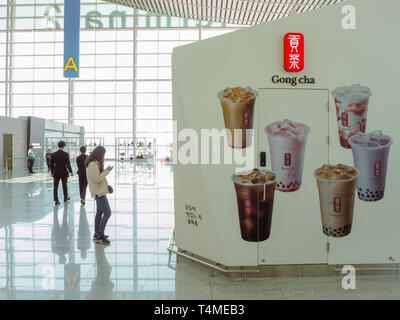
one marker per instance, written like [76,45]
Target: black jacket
[80,162]
[48,158]
[60,165]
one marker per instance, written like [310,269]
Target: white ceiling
[244,12]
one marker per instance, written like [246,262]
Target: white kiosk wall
[251,57]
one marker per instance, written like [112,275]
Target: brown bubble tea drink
[255,199]
[336,185]
[238,109]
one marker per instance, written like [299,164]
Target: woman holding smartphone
[99,188]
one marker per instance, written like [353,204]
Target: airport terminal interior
[122,100]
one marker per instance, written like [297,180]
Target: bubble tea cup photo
[371,154]
[287,144]
[255,200]
[351,109]
[238,110]
[336,186]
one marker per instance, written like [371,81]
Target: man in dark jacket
[60,170]
[80,161]
[48,159]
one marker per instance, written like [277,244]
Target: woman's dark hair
[97,155]
[83,149]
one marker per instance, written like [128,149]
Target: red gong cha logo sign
[294,52]
[345,119]
[288,159]
[337,204]
[378,168]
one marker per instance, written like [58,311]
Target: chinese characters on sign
[288,159]
[192,216]
[378,168]
[337,204]
[294,52]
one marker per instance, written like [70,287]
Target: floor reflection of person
[83,242]
[60,235]
[102,286]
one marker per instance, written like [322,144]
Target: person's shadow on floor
[102,286]
[60,235]
[84,242]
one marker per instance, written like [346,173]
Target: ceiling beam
[240,12]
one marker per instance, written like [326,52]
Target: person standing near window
[99,188]
[48,159]
[60,170]
[31,159]
[80,162]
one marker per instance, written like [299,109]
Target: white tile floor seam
[40,244]
[283,294]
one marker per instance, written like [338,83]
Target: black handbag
[110,189]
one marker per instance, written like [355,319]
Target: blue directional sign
[72,20]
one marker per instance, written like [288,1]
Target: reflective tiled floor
[46,252]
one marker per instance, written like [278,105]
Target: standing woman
[98,186]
